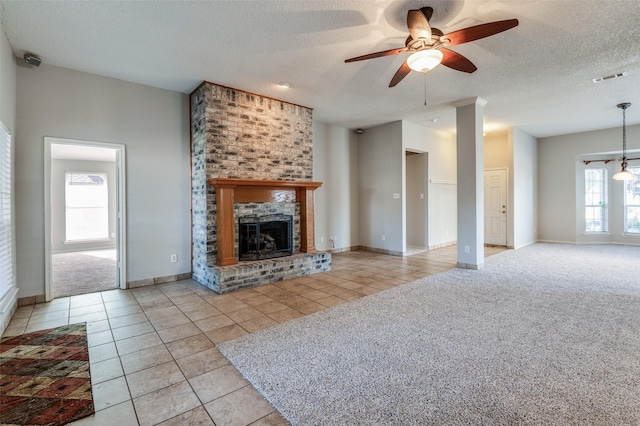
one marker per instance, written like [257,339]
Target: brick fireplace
[251,156]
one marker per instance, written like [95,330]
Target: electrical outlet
[467,249]
[174,258]
[384,237]
[322,239]
[335,238]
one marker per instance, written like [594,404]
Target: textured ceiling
[536,77]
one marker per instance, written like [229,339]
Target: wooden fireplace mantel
[230,191]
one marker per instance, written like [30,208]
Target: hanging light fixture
[624,174]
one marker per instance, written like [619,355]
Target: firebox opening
[265,237]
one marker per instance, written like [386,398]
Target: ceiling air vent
[609,77]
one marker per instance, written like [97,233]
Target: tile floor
[153,349]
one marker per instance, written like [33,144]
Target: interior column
[470,176]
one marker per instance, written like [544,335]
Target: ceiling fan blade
[427,11]
[456,61]
[479,31]
[400,74]
[418,24]
[378,54]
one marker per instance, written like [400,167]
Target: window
[596,210]
[6,228]
[87,206]
[632,203]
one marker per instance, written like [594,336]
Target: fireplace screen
[265,237]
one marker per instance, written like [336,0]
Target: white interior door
[495,207]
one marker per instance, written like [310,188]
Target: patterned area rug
[44,377]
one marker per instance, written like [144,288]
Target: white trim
[470,101]
[443,181]
[95,240]
[121,216]
[582,243]
[559,242]
[7,301]
[6,129]
[121,236]
[47,220]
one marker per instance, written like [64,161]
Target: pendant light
[624,174]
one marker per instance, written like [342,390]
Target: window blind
[6,222]
[87,206]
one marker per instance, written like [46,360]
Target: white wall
[360,175]
[8,118]
[380,175]
[441,192]
[7,81]
[560,172]
[498,154]
[58,205]
[496,150]
[517,152]
[523,189]
[152,123]
[335,164]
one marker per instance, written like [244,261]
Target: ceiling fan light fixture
[425,60]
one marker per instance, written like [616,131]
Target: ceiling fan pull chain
[425,89]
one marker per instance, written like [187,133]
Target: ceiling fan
[429,45]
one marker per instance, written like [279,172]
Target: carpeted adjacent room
[548,334]
[83,272]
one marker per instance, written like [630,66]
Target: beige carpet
[83,272]
[548,334]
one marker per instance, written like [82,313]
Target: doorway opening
[417,213]
[84,217]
